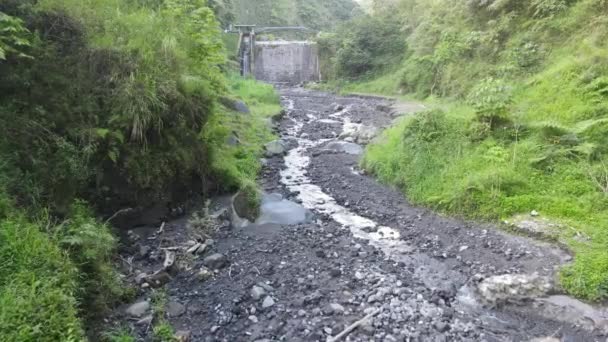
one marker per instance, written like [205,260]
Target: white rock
[138,309]
[268,302]
[257,292]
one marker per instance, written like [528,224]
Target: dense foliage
[314,14]
[116,102]
[363,46]
[525,125]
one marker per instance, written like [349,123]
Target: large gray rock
[358,133]
[138,309]
[216,261]
[344,147]
[514,288]
[235,105]
[175,309]
[275,148]
[244,208]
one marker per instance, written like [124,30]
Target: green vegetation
[315,14]
[116,103]
[519,118]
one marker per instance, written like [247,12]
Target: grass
[239,164]
[38,286]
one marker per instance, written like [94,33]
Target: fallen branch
[120,212]
[352,327]
[161,229]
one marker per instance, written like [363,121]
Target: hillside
[315,14]
[519,91]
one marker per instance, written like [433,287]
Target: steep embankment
[520,118]
[122,103]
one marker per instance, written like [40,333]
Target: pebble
[268,302]
[257,292]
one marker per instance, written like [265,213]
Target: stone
[243,208]
[534,213]
[254,319]
[275,148]
[335,309]
[441,327]
[514,288]
[235,105]
[145,321]
[204,274]
[158,279]
[257,292]
[545,339]
[141,278]
[183,336]
[268,302]
[138,309]
[216,261]
[344,147]
[335,272]
[175,309]
[144,251]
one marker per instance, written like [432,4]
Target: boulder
[244,208]
[216,261]
[235,105]
[514,288]
[175,309]
[275,148]
[138,309]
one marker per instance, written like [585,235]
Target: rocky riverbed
[340,257]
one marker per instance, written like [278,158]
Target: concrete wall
[287,62]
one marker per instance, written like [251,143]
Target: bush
[38,286]
[491,100]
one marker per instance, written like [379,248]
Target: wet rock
[268,302]
[216,261]
[175,309]
[513,288]
[257,292]
[138,309]
[243,207]
[276,210]
[343,147]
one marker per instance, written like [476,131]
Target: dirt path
[365,251]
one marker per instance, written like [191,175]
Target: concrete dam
[286,62]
